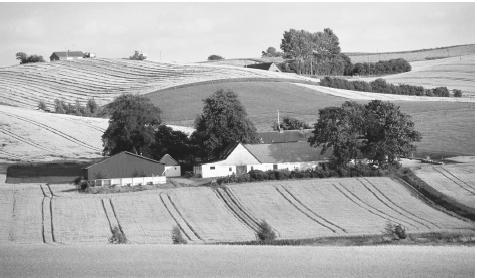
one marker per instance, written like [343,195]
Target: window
[230,169]
[275,167]
[212,167]
[251,168]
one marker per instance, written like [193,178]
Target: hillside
[57,214]
[104,79]
[414,55]
[453,73]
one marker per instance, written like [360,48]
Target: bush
[257,175]
[265,232]
[42,105]
[394,231]
[118,237]
[84,186]
[177,237]
[457,93]
[214,57]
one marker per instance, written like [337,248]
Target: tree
[457,93]
[137,56]
[132,124]
[223,121]
[271,52]
[289,123]
[214,57]
[340,129]
[60,107]
[24,58]
[388,132]
[91,106]
[169,141]
[42,105]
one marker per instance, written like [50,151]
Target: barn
[242,158]
[66,55]
[125,168]
[270,66]
[171,166]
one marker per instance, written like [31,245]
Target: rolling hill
[104,79]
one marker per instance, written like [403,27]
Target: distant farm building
[126,168]
[66,55]
[285,136]
[264,66]
[242,158]
[171,166]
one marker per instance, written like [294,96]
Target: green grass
[447,128]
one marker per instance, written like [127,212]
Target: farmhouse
[264,66]
[66,55]
[171,166]
[125,168]
[242,158]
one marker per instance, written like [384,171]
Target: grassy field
[453,73]
[415,55]
[103,79]
[455,181]
[237,261]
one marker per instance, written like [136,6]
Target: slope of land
[295,210]
[237,261]
[414,55]
[103,79]
[453,73]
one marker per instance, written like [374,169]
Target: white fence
[131,181]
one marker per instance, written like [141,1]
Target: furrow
[181,226]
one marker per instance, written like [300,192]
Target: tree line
[381,86]
[90,109]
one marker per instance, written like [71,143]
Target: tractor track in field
[362,204]
[47,226]
[53,130]
[453,178]
[26,140]
[183,218]
[299,203]
[398,206]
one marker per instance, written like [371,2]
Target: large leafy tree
[169,141]
[340,129]
[377,131]
[25,59]
[132,125]
[223,121]
[389,133]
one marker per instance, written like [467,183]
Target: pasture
[302,209]
[104,79]
[414,55]
[237,261]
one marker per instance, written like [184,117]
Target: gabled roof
[124,153]
[262,66]
[269,137]
[68,54]
[167,160]
[286,152]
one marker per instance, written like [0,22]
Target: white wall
[131,181]
[173,171]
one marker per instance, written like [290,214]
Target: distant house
[264,66]
[242,158]
[284,136]
[125,168]
[172,167]
[66,55]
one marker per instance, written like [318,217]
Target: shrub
[394,231]
[118,237]
[257,175]
[457,93]
[265,232]
[177,237]
[84,186]
[42,105]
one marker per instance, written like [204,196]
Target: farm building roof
[286,152]
[167,160]
[68,54]
[284,136]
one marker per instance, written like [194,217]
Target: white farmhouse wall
[131,181]
[173,171]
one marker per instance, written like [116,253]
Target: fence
[130,181]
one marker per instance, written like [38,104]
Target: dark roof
[262,66]
[285,136]
[68,54]
[286,152]
[123,152]
[168,160]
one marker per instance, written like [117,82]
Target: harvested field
[104,79]
[455,181]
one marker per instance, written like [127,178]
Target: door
[241,170]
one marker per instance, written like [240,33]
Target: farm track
[25,140]
[307,210]
[53,130]
[47,226]
[396,208]
[237,210]
[465,186]
[183,226]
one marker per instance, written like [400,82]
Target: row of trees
[90,109]
[289,123]
[381,86]
[379,68]
[25,58]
